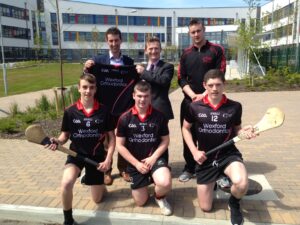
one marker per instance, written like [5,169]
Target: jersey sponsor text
[213,128]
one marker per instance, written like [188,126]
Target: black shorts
[139,180]
[92,175]
[209,173]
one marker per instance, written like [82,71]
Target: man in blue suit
[113,38]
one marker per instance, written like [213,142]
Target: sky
[172,3]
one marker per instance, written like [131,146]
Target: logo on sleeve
[98,121]
[152,125]
[227,115]
[76,121]
[202,115]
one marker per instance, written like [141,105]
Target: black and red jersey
[115,85]
[143,136]
[214,125]
[87,129]
[195,62]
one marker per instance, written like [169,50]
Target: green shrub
[236,81]
[14,109]
[174,82]
[32,110]
[8,125]
[52,114]
[43,104]
[293,79]
[74,94]
[28,118]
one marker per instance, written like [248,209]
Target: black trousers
[190,163]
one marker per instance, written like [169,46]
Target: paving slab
[30,175]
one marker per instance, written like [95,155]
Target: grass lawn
[43,76]
[46,76]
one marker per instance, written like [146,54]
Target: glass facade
[278,14]
[184,21]
[14,12]
[72,18]
[44,25]
[219,37]
[280,31]
[15,32]
[169,30]
[17,54]
[100,36]
[40,17]
[54,29]
[40,5]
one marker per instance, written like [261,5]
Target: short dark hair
[88,77]
[151,40]
[214,73]
[113,31]
[195,21]
[142,86]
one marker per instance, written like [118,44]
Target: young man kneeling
[85,123]
[217,119]
[142,139]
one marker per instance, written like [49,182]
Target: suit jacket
[104,59]
[160,80]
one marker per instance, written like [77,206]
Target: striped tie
[151,68]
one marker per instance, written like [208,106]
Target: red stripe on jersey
[223,60]
[223,101]
[135,111]
[122,92]
[79,106]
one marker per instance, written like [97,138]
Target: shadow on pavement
[259,167]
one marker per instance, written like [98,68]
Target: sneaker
[224,182]
[185,176]
[108,180]
[82,179]
[236,215]
[164,206]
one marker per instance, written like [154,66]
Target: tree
[49,54]
[131,46]
[82,44]
[38,45]
[171,53]
[246,35]
[97,41]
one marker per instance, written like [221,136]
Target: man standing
[142,138]
[217,119]
[159,74]
[114,57]
[194,63]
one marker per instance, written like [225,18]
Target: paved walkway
[30,175]
[22,100]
